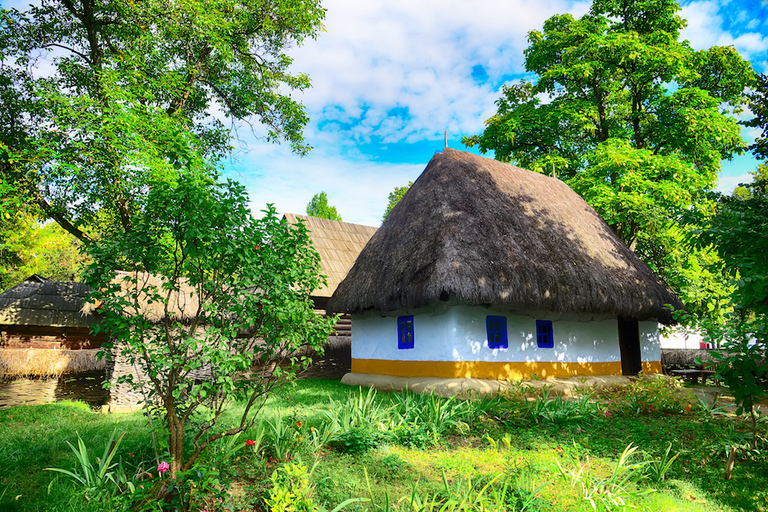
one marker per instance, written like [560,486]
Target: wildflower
[163,467]
[312,429]
[688,408]
[298,424]
[250,442]
[301,439]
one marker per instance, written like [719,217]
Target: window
[544,336]
[405,332]
[497,331]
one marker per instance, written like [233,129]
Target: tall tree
[100,98]
[635,120]
[318,207]
[394,197]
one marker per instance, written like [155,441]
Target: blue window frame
[496,326]
[405,332]
[544,335]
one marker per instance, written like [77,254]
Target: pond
[84,387]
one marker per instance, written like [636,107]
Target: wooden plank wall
[21,336]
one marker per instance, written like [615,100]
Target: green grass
[438,462]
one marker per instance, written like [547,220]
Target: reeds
[32,362]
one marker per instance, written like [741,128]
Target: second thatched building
[486,270]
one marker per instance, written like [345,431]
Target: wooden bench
[693,375]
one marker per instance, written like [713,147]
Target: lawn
[321,444]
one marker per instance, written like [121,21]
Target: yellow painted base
[491,370]
[650,367]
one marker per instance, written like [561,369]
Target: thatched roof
[41,302]
[182,305]
[338,244]
[477,231]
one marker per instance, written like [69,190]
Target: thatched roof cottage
[489,271]
[338,244]
[42,313]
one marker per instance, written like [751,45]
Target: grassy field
[326,443]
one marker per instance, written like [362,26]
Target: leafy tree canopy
[318,207]
[615,87]
[632,118]
[739,231]
[758,104]
[394,197]
[102,98]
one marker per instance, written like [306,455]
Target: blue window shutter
[496,328]
[544,334]
[405,338]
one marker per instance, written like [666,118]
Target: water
[84,387]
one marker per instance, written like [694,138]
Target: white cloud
[705,29]
[418,55]
[356,187]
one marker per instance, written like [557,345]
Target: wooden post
[731,460]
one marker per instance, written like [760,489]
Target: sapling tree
[739,231]
[211,304]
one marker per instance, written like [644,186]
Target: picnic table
[693,374]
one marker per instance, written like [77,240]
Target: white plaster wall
[650,343]
[459,334]
[679,338]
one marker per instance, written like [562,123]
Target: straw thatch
[477,231]
[42,302]
[44,363]
[338,244]
[182,304]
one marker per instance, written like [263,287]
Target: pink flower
[250,442]
[163,467]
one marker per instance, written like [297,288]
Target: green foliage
[440,415]
[648,395]
[129,93]
[28,247]
[394,197]
[215,306]
[35,437]
[103,479]
[560,410]
[657,469]
[291,490]
[636,121]
[358,439]
[612,491]
[318,207]
[282,438]
[758,105]
[737,231]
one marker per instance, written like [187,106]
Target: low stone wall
[333,364]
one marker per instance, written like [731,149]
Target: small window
[544,336]
[497,331]
[405,332]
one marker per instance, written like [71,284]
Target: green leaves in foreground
[210,304]
[106,477]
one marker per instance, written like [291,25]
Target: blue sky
[390,76]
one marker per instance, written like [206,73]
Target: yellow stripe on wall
[491,370]
[651,367]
